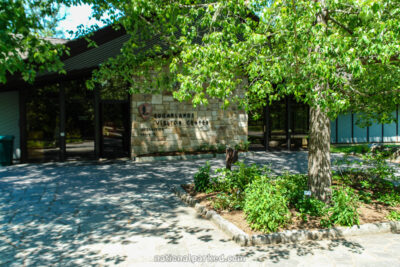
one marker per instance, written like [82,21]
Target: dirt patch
[373,212]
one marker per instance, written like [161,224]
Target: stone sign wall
[162,124]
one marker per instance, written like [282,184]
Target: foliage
[372,177]
[311,206]
[293,186]
[202,178]
[238,178]
[266,199]
[243,146]
[356,149]
[265,206]
[225,201]
[24,48]
[374,165]
[350,48]
[394,215]
[343,210]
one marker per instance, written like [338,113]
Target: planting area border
[288,236]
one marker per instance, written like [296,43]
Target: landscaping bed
[259,202]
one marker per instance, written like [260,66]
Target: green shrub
[202,178]
[293,186]
[343,209]
[394,216]
[389,198]
[227,201]
[311,206]
[266,208]
[237,179]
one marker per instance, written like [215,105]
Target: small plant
[390,198]
[343,210]
[393,216]
[293,186]
[225,201]
[243,145]
[202,178]
[311,206]
[379,168]
[266,208]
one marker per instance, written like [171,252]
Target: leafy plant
[221,148]
[202,178]
[379,168]
[243,145]
[265,206]
[238,178]
[394,216]
[390,198]
[343,210]
[228,201]
[293,186]
[311,206]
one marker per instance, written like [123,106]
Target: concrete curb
[289,236]
[187,157]
[229,228]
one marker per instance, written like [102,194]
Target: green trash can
[6,149]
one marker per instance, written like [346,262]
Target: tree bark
[319,158]
[231,157]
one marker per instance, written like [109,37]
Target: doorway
[115,128]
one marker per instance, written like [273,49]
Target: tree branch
[341,25]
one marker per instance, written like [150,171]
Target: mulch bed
[369,213]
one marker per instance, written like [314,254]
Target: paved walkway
[86,214]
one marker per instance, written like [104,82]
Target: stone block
[167,98]
[157,99]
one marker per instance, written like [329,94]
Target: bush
[237,179]
[394,216]
[202,178]
[293,186]
[265,206]
[343,210]
[227,201]
[311,206]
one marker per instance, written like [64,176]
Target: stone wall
[174,126]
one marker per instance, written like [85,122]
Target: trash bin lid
[7,137]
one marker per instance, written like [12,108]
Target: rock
[396,153]
[376,147]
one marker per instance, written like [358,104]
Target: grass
[361,149]
[348,149]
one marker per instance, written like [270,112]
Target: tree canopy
[333,55]
[280,47]
[25,46]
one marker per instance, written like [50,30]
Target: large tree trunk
[319,158]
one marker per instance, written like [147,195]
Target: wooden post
[97,124]
[62,123]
